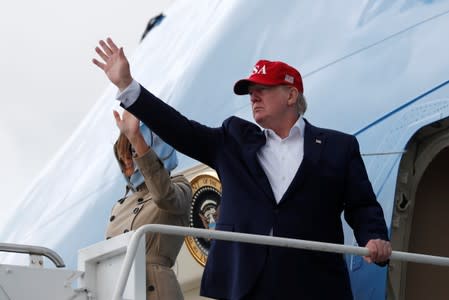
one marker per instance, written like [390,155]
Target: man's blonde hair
[302,103]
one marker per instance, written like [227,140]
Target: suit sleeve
[189,137]
[173,196]
[361,209]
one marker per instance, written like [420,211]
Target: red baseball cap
[270,73]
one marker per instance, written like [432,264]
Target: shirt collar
[297,128]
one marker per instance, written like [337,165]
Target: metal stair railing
[33,250]
[255,239]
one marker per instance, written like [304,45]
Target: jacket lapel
[254,142]
[314,141]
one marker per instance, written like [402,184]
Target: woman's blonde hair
[122,149]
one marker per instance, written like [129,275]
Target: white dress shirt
[281,158]
[129,95]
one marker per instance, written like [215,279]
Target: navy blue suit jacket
[331,179]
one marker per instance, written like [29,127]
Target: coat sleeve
[187,136]
[173,195]
[361,209]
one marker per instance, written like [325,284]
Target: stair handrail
[255,239]
[34,250]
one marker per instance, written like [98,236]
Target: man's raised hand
[115,64]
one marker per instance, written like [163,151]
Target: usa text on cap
[270,73]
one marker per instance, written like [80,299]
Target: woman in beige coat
[155,197]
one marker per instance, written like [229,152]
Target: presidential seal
[204,212]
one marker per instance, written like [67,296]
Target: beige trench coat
[161,200]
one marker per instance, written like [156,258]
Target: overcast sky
[48,82]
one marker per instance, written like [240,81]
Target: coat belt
[160,260]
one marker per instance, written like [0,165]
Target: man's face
[269,104]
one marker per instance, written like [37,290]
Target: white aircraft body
[378,69]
